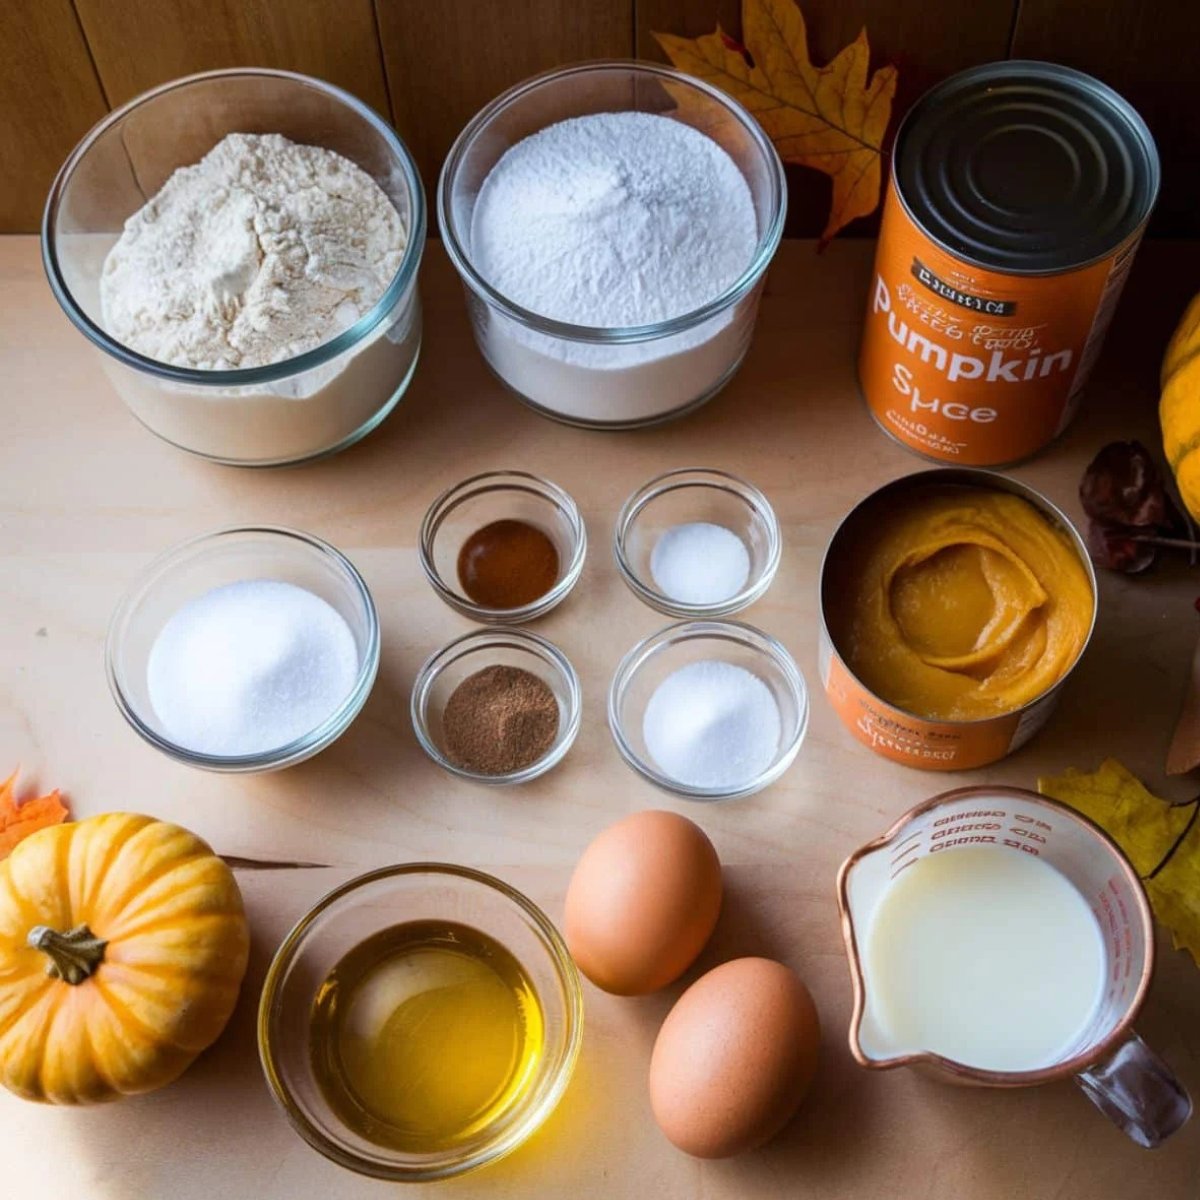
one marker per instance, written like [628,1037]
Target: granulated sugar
[249,667]
[712,724]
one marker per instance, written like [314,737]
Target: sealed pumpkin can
[1019,192]
[955,603]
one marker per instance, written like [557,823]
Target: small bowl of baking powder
[697,542]
[242,246]
[612,223]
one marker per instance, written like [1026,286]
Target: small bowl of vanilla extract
[503,547]
[420,1022]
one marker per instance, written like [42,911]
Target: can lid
[1026,167]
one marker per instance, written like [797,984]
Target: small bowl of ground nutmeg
[503,547]
[497,706]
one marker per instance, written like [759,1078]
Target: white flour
[260,251]
[615,220]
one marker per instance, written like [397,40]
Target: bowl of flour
[612,223]
[243,246]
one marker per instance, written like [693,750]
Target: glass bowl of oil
[420,1021]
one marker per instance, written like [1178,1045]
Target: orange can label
[974,366]
[916,742]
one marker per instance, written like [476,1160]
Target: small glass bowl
[286,412]
[227,556]
[696,494]
[654,658]
[354,912]
[443,671]
[495,496]
[620,377]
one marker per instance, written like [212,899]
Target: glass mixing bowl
[354,912]
[313,404]
[615,378]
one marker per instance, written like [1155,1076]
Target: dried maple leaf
[1161,840]
[830,118]
[18,821]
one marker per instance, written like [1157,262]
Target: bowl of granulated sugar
[612,223]
[244,650]
[708,710]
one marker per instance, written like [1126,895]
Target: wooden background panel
[1146,50]
[926,39]
[138,44]
[50,97]
[447,58]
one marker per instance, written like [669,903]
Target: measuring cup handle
[1136,1090]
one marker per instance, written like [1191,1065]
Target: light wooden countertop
[87,497]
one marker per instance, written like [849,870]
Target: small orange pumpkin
[123,943]
[1179,407]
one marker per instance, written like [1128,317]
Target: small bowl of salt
[244,650]
[708,710]
[697,543]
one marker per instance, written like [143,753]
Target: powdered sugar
[260,251]
[616,219]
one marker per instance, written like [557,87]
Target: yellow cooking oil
[425,1034]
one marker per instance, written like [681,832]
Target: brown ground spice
[499,720]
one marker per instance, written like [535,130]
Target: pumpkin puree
[958,603]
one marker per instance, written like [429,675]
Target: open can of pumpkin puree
[964,585]
[1018,195]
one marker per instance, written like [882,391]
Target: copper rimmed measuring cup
[1117,1071]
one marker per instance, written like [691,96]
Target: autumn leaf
[1162,840]
[830,118]
[18,821]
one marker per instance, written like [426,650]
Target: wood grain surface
[87,497]
[138,44]
[50,97]
[447,59]
[1148,53]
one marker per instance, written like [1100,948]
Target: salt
[700,563]
[712,724]
[249,667]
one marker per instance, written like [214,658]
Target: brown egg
[734,1058]
[642,902]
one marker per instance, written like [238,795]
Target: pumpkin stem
[73,955]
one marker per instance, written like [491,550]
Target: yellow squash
[1179,408]
[123,942]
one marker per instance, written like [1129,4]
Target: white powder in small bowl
[249,667]
[700,563]
[712,724]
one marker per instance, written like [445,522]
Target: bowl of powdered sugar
[612,223]
[243,247]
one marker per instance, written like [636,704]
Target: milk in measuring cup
[986,956]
